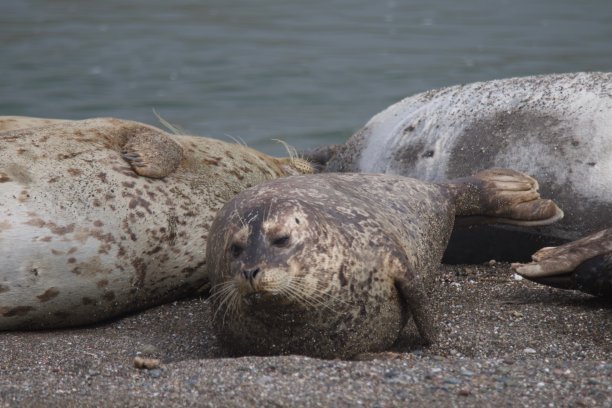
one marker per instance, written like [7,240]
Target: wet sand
[503,342]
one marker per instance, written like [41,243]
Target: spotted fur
[85,237]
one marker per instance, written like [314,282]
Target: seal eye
[236,250]
[281,241]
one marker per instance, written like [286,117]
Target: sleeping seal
[104,216]
[332,265]
[556,128]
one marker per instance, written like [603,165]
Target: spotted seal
[105,216]
[553,127]
[332,265]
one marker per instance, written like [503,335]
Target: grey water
[307,72]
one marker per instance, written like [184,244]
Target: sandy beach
[503,342]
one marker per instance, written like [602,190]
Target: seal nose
[250,274]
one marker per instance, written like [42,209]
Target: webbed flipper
[503,196]
[585,264]
[152,153]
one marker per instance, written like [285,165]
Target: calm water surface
[306,72]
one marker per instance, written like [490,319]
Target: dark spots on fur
[102,177]
[15,311]
[61,230]
[61,315]
[102,283]
[47,238]
[138,201]
[48,295]
[87,301]
[71,260]
[428,154]
[592,164]
[154,250]
[98,223]
[128,184]
[72,250]
[212,161]
[229,154]
[409,154]
[408,129]
[64,156]
[74,172]
[485,139]
[237,174]
[190,271]
[23,196]
[53,179]
[4,178]
[342,276]
[4,288]
[141,272]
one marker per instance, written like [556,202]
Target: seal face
[332,265]
[104,216]
[553,127]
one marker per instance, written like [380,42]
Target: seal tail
[502,196]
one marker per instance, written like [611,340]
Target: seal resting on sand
[556,128]
[333,265]
[105,216]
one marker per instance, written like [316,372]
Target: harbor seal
[553,127]
[105,216]
[332,265]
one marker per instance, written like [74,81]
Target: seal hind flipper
[503,196]
[152,153]
[418,304]
[585,264]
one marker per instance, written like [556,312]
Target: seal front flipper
[418,305]
[152,153]
[502,196]
[585,264]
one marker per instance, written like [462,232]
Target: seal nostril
[281,241]
[250,274]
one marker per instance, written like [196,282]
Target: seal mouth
[258,298]
[266,300]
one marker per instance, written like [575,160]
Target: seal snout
[250,273]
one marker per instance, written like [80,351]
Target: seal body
[556,128]
[105,216]
[332,265]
